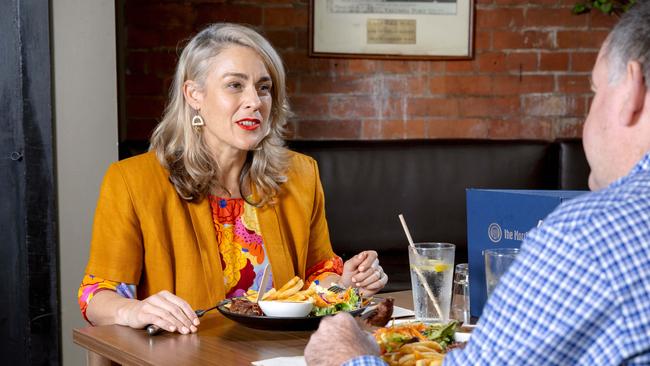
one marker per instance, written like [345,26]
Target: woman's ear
[193,95]
[635,92]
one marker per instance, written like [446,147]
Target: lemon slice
[440,267]
[434,266]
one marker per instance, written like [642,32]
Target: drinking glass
[431,263]
[460,294]
[497,262]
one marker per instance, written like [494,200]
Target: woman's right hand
[163,309]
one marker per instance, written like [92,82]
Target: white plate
[461,337]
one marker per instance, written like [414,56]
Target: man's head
[617,131]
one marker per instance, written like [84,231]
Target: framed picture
[392,29]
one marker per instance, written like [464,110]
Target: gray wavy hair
[630,41]
[181,149]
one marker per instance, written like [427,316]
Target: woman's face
[235,101]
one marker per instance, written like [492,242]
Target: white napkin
[400,321]
[282,361]
[399,312]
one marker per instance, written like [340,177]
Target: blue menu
[500,218]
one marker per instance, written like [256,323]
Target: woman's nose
[252,99]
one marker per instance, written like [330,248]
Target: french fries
[423,353]
[290,288]
[291,291]
[417,350]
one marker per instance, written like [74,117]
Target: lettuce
[441,333]
[395,341]
[352,303]
[323,311]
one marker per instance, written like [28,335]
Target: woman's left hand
[364,272]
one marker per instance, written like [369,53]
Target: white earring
[197,121]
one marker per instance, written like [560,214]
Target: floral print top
[242,251]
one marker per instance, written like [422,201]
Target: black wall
[30,316]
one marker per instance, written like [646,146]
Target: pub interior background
[80,77]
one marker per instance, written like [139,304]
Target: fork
[336,288]
[153,329]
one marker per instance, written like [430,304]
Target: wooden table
[219,341]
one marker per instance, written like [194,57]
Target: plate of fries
[292,293]
[415,344]
[422,353]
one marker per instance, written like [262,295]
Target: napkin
[282,361]
[399,312]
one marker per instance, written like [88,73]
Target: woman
[217,198]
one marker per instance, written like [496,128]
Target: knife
[265,281]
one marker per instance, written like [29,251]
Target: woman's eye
[265,88]
[234,85]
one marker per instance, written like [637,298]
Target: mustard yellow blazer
[145,234]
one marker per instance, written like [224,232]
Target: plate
[277,323]
[462,337]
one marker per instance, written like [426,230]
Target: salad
[327,302]
[392,338]
[415,344]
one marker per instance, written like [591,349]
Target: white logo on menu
[494,232]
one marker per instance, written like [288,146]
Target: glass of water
[497,262]
[432,268]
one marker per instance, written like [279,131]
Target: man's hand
[337,340]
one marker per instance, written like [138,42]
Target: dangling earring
[197,120]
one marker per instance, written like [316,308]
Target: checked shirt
[579,291]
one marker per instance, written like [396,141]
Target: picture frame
[392,29]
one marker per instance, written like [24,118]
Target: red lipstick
[249,124]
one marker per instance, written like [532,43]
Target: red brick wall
[529,78]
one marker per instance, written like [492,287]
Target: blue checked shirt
[579,291]
[365,361]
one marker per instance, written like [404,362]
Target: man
[579,292]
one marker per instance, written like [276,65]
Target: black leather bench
[368,183]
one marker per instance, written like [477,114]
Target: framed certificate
[392,29]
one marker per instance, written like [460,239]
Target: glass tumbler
[497,262]
[432,267]
[460,294]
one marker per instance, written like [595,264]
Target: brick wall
[528,80]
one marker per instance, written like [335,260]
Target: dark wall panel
[40,192]
[29,322]
[13,264]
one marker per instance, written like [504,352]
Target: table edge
[101,348]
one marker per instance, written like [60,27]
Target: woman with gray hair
[216,199]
